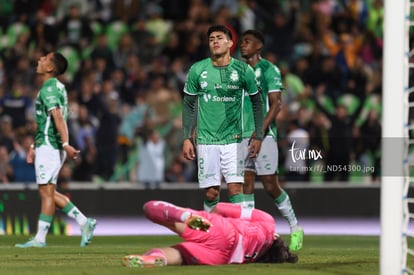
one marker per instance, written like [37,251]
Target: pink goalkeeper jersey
[229,240]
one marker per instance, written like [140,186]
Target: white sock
[42,230]
[286,209]
[78,216]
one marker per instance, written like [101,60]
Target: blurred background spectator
[129,60]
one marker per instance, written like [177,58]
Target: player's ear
[50,68]
[231,43]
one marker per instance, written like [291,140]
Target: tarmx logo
[303,154]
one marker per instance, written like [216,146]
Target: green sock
[209,205]
[237,199]
[249,199]
[286,209]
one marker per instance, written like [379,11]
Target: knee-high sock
[233,210]
[285,207]
[237,211]
[161,211]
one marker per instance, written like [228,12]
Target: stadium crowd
[128,64]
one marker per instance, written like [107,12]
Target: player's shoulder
[240,65]
[53,85]
[267,65]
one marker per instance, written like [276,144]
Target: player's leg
[209,174]
[155,257]
[232,167]
[47,166]
[249,175]
[86,224]
[212,197]
[248,187]
[267,170]
[47,211]
[174,217]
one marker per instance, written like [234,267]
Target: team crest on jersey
[203,84]
[234,76]
[49,89]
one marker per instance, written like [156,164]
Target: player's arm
[188,122]
[275,102]
[256,100]
[62,128]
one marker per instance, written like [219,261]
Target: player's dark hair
[257,34]
[278,253]
[219,28]
[60,63]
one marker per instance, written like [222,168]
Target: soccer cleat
[296,239]
[87,232]
[198,223]
[31,243]
[134,260]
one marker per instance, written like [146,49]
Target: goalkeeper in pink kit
[230,234]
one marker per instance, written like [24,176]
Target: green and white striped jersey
[220,92]
[269,80]
[51,95]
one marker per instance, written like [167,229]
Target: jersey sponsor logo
[203,74]
[233,87]
[208,97]
[224,98]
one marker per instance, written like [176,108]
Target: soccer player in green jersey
[265,164]
[50,149]
[215,86]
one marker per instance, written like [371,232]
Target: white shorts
[266,162]
[215,161]
[48,162]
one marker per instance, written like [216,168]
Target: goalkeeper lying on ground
[230,234]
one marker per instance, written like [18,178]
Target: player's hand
[72,152]
[254,148]
[30,156]
[188,150]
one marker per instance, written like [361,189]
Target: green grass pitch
[320,255]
